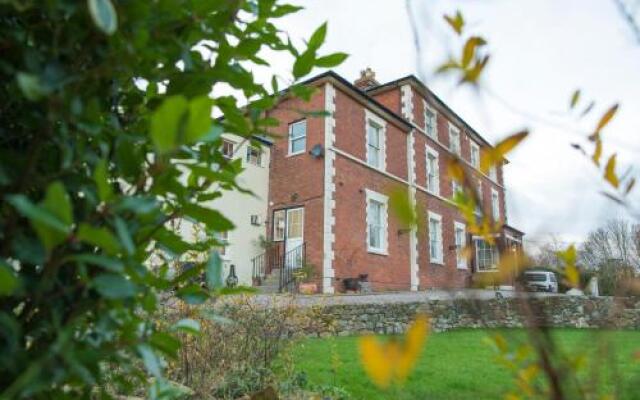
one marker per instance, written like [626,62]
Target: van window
[553,278]
[534,277]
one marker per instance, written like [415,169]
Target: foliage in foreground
[106,136]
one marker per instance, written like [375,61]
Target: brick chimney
[367,79]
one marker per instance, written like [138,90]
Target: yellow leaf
[375,362]
[606,117]
[597,153]
[610,172]
[473,74]
[456,22]
[469,49]
[391,362]
[494,155]
[575,97]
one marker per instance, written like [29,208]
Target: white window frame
[455,187]
[223,249]
[284,227]
[474,161]
[455,131]
[495,256]
[383,200]
[495,204]
[478,210]
[438,235]
[433,152]
[233,148]
[258,158]
[433,135]
[493,173]
[461,260]
[292,139]
[371,118]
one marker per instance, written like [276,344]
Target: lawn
[461,365]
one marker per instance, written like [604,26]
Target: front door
[289,228]
[294,237]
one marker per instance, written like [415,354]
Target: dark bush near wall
[104,104]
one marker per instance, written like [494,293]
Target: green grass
[461,365]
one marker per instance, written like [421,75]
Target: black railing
[292,260]
[275,258]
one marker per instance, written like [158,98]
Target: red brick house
[330,177]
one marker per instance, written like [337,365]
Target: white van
[541,281]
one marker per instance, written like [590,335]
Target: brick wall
[298,180]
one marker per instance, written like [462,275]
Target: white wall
[238,208]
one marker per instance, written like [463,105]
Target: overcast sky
[541,50]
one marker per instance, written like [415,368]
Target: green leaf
[31,86]
[213,219]
[114,286]
[317,38]
[108,263]
[166,123]
[303,64]
[52,218]
[8,279]
[101,177]
[214,271]
[171,241]
[150,359]
[193,294]
[331,60]
[124,236]
[199,121]
[100,237]
[104,15]
[165,342]
[188,325]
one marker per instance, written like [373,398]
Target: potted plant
[305,279]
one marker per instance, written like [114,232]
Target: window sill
[379,252]
[494,270]
[437,262]
[296,154]
[462,267]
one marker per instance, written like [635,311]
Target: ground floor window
[486,256]
[435,238]
[460,241]
[376,222]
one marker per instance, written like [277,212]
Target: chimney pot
[367,79]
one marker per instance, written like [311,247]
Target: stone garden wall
[561,311]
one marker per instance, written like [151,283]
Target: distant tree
[615,243]
[546,253]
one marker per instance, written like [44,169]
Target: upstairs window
[376,222]
[459,231]
[455,188]
[254,155]
[374,148]
[495,204]
[433,171]
[228,147]
[435,238]
[454,140]
[478,210]
[493,173]
[486,256]
[298,137]
[375,140]
[475,155]
[430,122]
